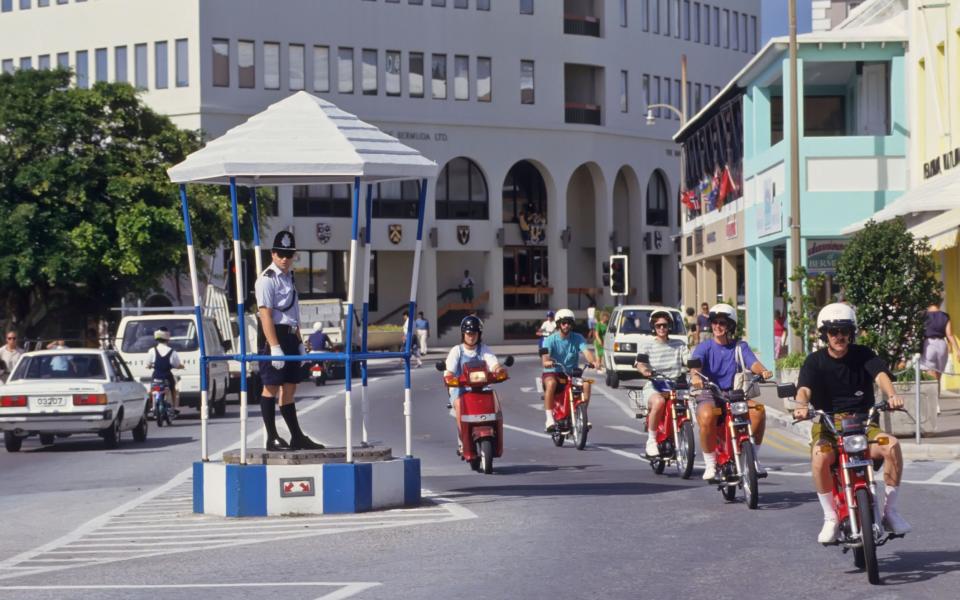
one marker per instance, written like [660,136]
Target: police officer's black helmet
[284,240]
[473,324]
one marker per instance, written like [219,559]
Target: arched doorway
[462,191]
[583,191]
[658,247]
[525,264]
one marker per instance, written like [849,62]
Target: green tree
[890,278]
[803,314]
[86,209]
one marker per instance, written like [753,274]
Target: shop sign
[768,217]
[822,256]
[731,227]
[946,161]
[711,237]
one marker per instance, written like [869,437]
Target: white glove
[276,351]
[302,351]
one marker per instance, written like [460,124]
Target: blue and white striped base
[268,490]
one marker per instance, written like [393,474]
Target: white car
[629,325]
[71,390]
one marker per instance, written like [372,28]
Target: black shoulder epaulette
[269,273]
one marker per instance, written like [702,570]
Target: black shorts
[290,372]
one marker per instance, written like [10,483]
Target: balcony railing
[581,25]
[587,114]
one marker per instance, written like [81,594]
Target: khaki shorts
[821,436]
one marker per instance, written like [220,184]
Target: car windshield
[138,335]
[60,366]
[638,321]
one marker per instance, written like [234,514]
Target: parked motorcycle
[675,430]
[570,408]
[854,486]
[479,417]
[737,465]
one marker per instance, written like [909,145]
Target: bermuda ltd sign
[945,161]
[822,256]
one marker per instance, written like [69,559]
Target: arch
[626,195]
[157,300]
[524,191]
[658,200]
[586,190]
[462,191]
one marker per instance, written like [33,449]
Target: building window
[676,18]
[415,74]
[725,28]
[415,2]
[527,89]
[391,73]
[183,63]
[63,61]
[706,24]
[526,7]
[623,91]
[484,79]
[667,96]
[321,69]
[735,34]
[656,95]
[7,6]
[645,15]
[368,72]
[483,4]
[246,64]
[668,31]
[26,63]
[440,3]
[646,91]
[396,199]
[697,98]
[221,62]
[744,43]
[271,65]
[140,66]
[461,3]
[24,4]
[655,15]
[100,64]
[438,76]
[753,35]
[296,67]
[43,62]
[686,20]
[716,26]
[695,22]
[82,69]
[525,193]
[42,3]
[657,200]
[461,191]
[321,200]
[623,13]
[345,70]
[7,66]
[461,77]
[160,64]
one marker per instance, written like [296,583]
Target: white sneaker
[893,522]
[828,533]
[652,449]
[709,472]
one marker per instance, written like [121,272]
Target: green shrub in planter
[794,360]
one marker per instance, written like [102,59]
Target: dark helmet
[471,323]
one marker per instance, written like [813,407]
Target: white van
[135,338]
[628,326]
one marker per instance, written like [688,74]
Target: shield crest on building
[463,234]
[324,232]
[395,232]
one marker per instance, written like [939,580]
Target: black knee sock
[268,410]
[289,414]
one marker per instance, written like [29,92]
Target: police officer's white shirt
[274,290]
[481,351]
[175,361]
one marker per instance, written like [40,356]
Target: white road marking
[621,404]
[945,472]
[527,389]
[910,481]
[346,589]
[626,429]
[616,451]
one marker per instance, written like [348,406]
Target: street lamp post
[796,343]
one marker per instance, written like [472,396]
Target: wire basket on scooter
[639,406]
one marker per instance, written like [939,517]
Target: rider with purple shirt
[719,363]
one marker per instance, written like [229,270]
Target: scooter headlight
[854,443]
[478,377]
[739,408]
[576,381]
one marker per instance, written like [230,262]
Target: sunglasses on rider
[837,331]
[659,325]
[565,322]
[284,253]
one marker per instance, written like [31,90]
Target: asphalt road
[78,521]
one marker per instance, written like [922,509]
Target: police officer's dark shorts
[290,373]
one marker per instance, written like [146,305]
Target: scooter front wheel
[580,427]
[751,487]
[486,455]
[865,514]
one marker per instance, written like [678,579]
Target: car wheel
[614,379]
[46,439]
[12,442]
[111,435]
[140,431]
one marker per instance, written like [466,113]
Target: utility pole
[796,287]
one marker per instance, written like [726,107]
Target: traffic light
[606,273]
[619,281]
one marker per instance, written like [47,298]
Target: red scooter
[675,430]
[854,487]
[479,418]
[570,408]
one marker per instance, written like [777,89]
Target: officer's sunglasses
[838,331]
[284,253]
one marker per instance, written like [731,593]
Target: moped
[674,432]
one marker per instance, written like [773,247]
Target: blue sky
[774,20]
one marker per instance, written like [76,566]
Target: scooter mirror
[440,365]
[786,390]
[643,358]
[694,363]
[509,361]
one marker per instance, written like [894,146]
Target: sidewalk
[943,445]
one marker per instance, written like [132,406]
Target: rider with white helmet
[839,379]
[665,356]
[722,357]
[563,347]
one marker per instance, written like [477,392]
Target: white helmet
[565,313]
[724,310]
[318,326]
[162,334]
[837,314]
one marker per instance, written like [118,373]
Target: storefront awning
[941,230]
[937,194]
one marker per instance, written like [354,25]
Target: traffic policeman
[279,312]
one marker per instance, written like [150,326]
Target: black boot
[268,410]
[298,441]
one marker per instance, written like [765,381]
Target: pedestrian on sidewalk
[10,353]
[703,323]
[421,327]
[779,335]
[414,346]
[466,287]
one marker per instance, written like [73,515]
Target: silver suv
[629,325]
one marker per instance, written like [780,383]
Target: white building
[534,108]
